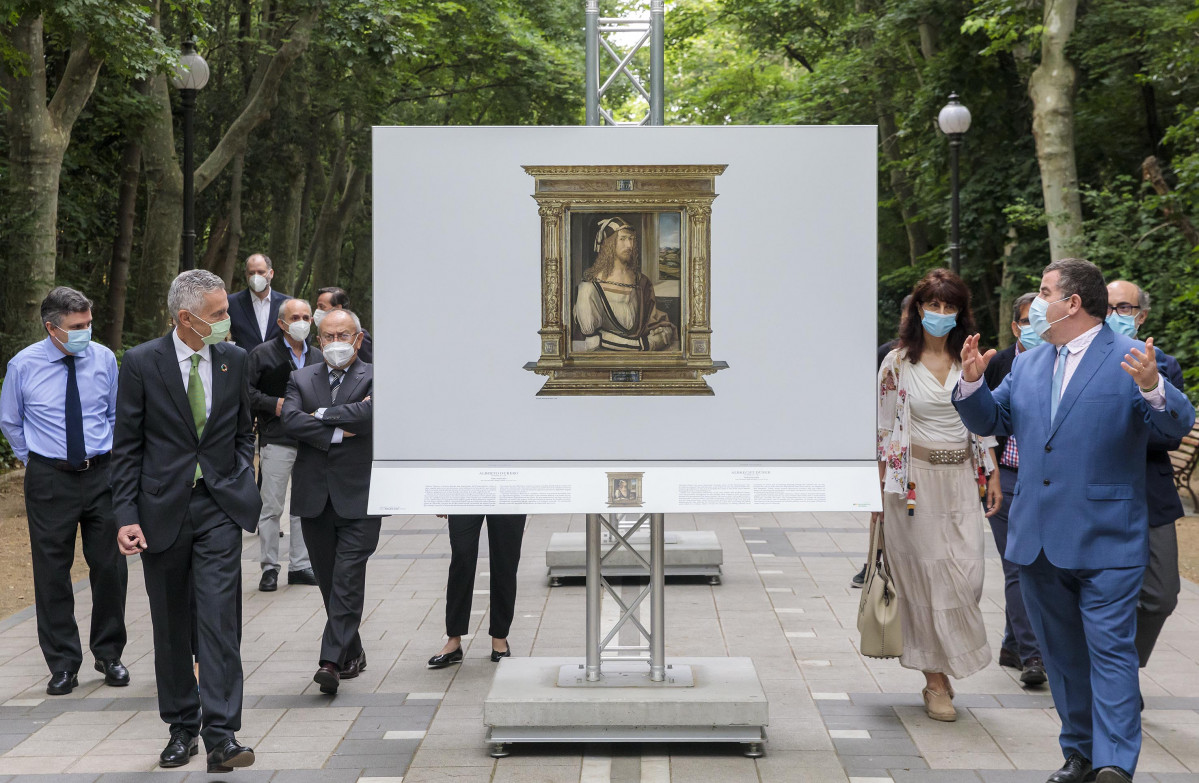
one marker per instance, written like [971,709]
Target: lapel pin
[224,368]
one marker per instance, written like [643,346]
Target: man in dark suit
[183,490]
[1020,649]
[328,409]
[254,310]
[1128,307]
[334,298]
[1081,407]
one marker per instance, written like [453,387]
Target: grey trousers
[1159,591]
[274,466]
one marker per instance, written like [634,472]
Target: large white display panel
[457,284]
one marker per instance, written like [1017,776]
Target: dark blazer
[244,328]
[325,471]
[997,370]
[267,372]
[155,448]
[1164,504]
[1080,497]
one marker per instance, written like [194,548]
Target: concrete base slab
[688,553]
[725,704]
[625,674]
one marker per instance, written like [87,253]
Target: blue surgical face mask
[939,324]
[1036,315]
[77,339]
[1124,324]
[1029,338]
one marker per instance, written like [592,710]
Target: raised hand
[1142,366]
[974,362]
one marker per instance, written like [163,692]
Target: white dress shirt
[1077,348]
[262,310]
[184,356]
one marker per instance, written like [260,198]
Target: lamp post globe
[190,77]
[954,121]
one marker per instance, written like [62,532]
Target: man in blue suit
[1082,407]
[254,311]
[1127,309]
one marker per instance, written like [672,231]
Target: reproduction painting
[625,266]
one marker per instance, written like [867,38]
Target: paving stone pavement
[785,601]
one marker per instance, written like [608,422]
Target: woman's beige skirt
[937,560]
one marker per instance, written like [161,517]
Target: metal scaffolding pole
[594,597]
[591,62]
[657,597]
[657,13]
[651,31]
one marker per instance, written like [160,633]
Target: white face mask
[258,283]
[299,330]
[338,355]
[319,316]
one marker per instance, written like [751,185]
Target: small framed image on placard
[624,490]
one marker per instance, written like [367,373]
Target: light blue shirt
[33,400]
[302,360]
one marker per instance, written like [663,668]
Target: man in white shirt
[255,309]
[1082,409]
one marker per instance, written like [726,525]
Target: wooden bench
[1184,459]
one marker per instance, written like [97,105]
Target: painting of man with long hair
[616,309]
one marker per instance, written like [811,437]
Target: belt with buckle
[940,456]
[61,464]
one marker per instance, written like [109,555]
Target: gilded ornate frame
[689,190]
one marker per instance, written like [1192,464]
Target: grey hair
[1022,301]
[1143,299]
[351,313]
[63,301]
[1081,277]
[284,306]
[189,288]
[263,256]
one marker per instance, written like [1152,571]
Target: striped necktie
[335,383]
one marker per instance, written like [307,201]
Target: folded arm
[301,425]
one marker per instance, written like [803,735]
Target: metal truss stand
[652,31]
[626,693]
[687,552]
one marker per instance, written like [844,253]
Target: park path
[785,601]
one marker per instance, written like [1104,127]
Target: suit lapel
[1092,360]
[353,380]
[220,382]
[168,368]
[320,386]
[247,305]
[272,328]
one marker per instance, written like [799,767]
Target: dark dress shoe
[328,677]
[354,667]
[180,749]
[1009,659]
[448,659]
[304,576]
[1112,775]
[1075,770]
[228,756]
[115,673]
[62,683]
[269,582]
[1034,672]
[496,655]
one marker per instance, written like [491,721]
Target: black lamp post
[954,121]
[190,77]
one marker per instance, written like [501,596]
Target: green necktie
[195,400]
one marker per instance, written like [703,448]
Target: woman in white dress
[934,474]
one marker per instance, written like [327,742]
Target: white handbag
[878,609]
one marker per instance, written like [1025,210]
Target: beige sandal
[939,705]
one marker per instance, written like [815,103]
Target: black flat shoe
[1112,775]
[1009,659]
[115,673]
[354,667]
[62,683]
[1034,673]
[269,582]
[304,576]
[179,750]
[496,655]
[228,756]
[1075,770]
[448,659]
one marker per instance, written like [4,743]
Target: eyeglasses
[340,337]
[1124,308]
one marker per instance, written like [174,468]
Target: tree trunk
[164,215]
[1152,174]
[326,270]
[122,247]
[229,262]
[1007,278]
[216,244]
[38,135]
[1051,89]
[905,199]
[285,224]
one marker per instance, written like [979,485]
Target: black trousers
[1159,592]
[204,562]
[339,549]
[504,535]
[58,503]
